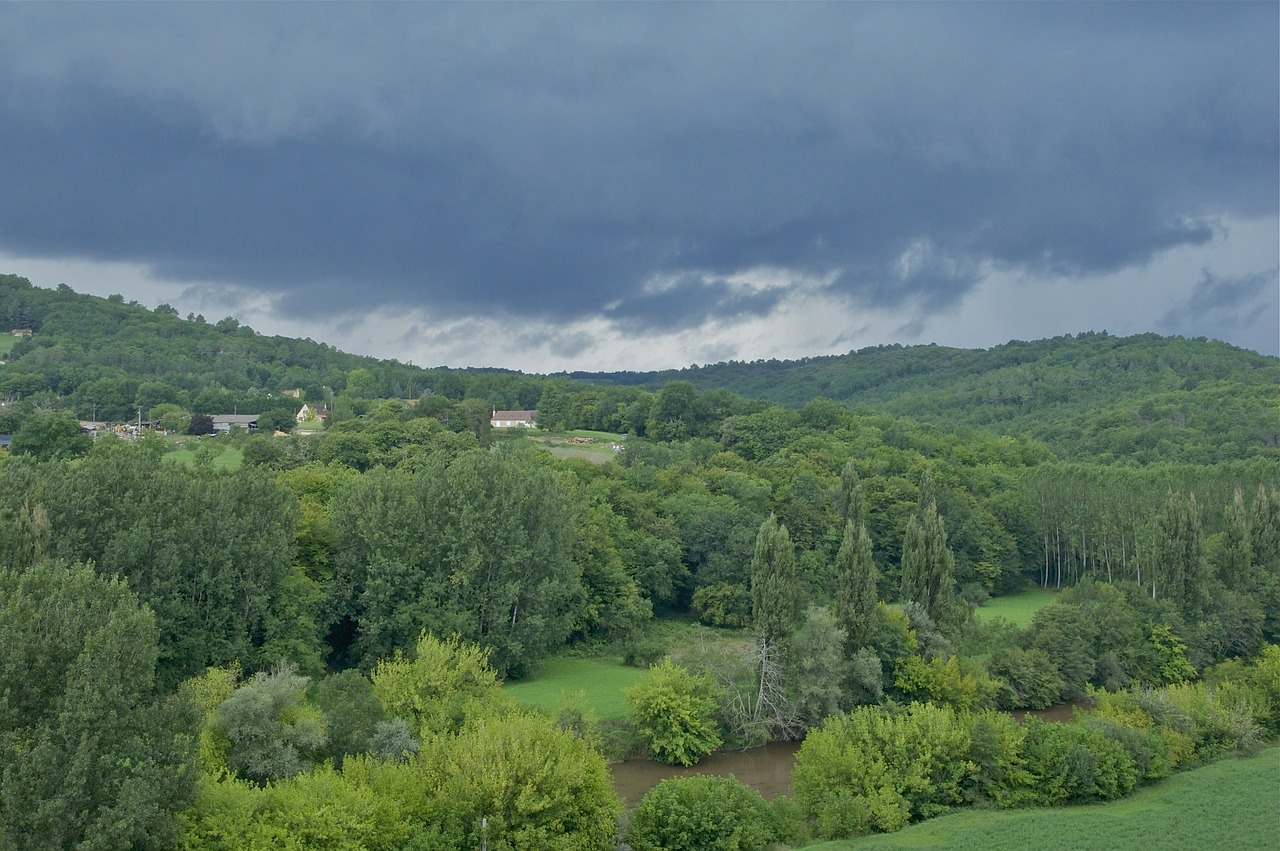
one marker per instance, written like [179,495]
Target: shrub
[703,813]
[641,649]
[1073,763]
[618,738]
[674,711]
[723,604]
[1029,678]
[878,768]
[1162,749]
[956,682]
[999,770]
[1218,719]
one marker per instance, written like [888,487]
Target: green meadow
[594,685]
[1017,608]
[1234,803]
[222,457]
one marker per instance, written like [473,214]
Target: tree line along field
[357,616]
[1230,804]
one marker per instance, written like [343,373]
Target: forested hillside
[105,359]
[305,648]
[1092,396]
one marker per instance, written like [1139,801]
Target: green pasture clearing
[560,679]
[1230,804]
[228,457]
[561,445]
[595,684]
[1017,608]
[7,342]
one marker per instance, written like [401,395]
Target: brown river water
[766,769]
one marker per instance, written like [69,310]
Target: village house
[513,419]
[314,413]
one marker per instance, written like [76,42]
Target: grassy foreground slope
[1230,804]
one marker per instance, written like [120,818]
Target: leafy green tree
[444,684]
[726,604]
[351,712]
[270,728]
[1029,678]
[674,414]
[515,781]
[675,711]
[318,809]
[55,434]
[878,769]
[1076,763]
[1235,557]
[817,674]
[91,754]
[703,813]
[171,418]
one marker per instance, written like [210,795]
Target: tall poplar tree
[856,594]
[775,596]
[1184,568]
[1264,531]
[928,565]
[1235,560]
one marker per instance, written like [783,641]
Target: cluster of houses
[221,422]
[308,413]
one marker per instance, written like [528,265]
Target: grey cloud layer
[551,161]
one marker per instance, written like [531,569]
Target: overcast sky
[634,186]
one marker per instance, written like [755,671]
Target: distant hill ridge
[1089,394]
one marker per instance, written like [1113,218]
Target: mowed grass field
[593,685]
[1230,804]
[228,458]
[596,684]
[1017,608]
[561,445]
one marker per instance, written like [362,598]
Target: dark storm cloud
[553,161]
[1226,307]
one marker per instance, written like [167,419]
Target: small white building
[513,419]
[315,413]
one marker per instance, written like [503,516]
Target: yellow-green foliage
[1217,719]
[444,684]
[1169,748]
[956,682]
[674,710]
[536,787]
[208,691]
[878,768]
[322,809]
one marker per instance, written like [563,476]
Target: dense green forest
[1089,397]
[306,650]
